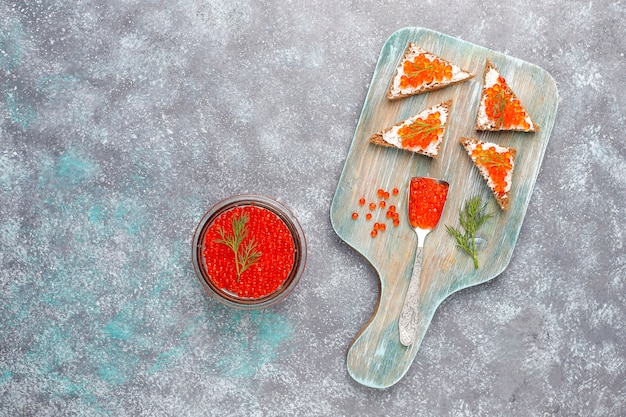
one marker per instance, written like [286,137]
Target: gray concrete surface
[121,122]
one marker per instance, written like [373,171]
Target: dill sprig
[246,254]
[471,217]
[493,159]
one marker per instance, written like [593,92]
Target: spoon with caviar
[427,196]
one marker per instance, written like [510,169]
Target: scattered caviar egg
[374,233]
[383,203]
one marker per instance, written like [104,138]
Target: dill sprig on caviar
[472,216]
[246,254]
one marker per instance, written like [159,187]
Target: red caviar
[422,132]
[355,215]
[426,200]
[424,70]
[271,239]
[498,164]
[503,108]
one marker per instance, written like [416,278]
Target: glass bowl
[206,255]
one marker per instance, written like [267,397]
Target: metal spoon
[419,197]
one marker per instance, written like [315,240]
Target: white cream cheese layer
[392,137]
[491,78]
[501,150]
[414,50]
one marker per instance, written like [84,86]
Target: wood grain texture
[376,357]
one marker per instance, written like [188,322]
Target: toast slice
[421,133]
[495,164]
[420,71]
[499,107]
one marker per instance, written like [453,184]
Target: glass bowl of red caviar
[249,251]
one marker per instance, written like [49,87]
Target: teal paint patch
[9,232]
[16,103]
[18,307]
[51,350]
[21,111]
[96,214]
[112,375]
[195,323]
[11,39]
[59,176]
[160,286]
[166,358]
[123,325]
[13,173]
[117,367]
[119,330]
[258,336]
[131,216]
[50,85]
[64,288]
[5,376]
[76,168]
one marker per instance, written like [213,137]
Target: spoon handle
[409,314]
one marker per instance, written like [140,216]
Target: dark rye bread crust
[485,127]
[425,89]
[503,201]
[377,138]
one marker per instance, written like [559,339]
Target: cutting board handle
[376,358]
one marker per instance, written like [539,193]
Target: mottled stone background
[122,121]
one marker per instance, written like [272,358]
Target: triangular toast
[420,71]
[421,133]
[499,107]
[495,163]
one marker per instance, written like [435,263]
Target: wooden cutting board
[376,357]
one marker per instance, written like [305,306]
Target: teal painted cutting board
[376,357]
